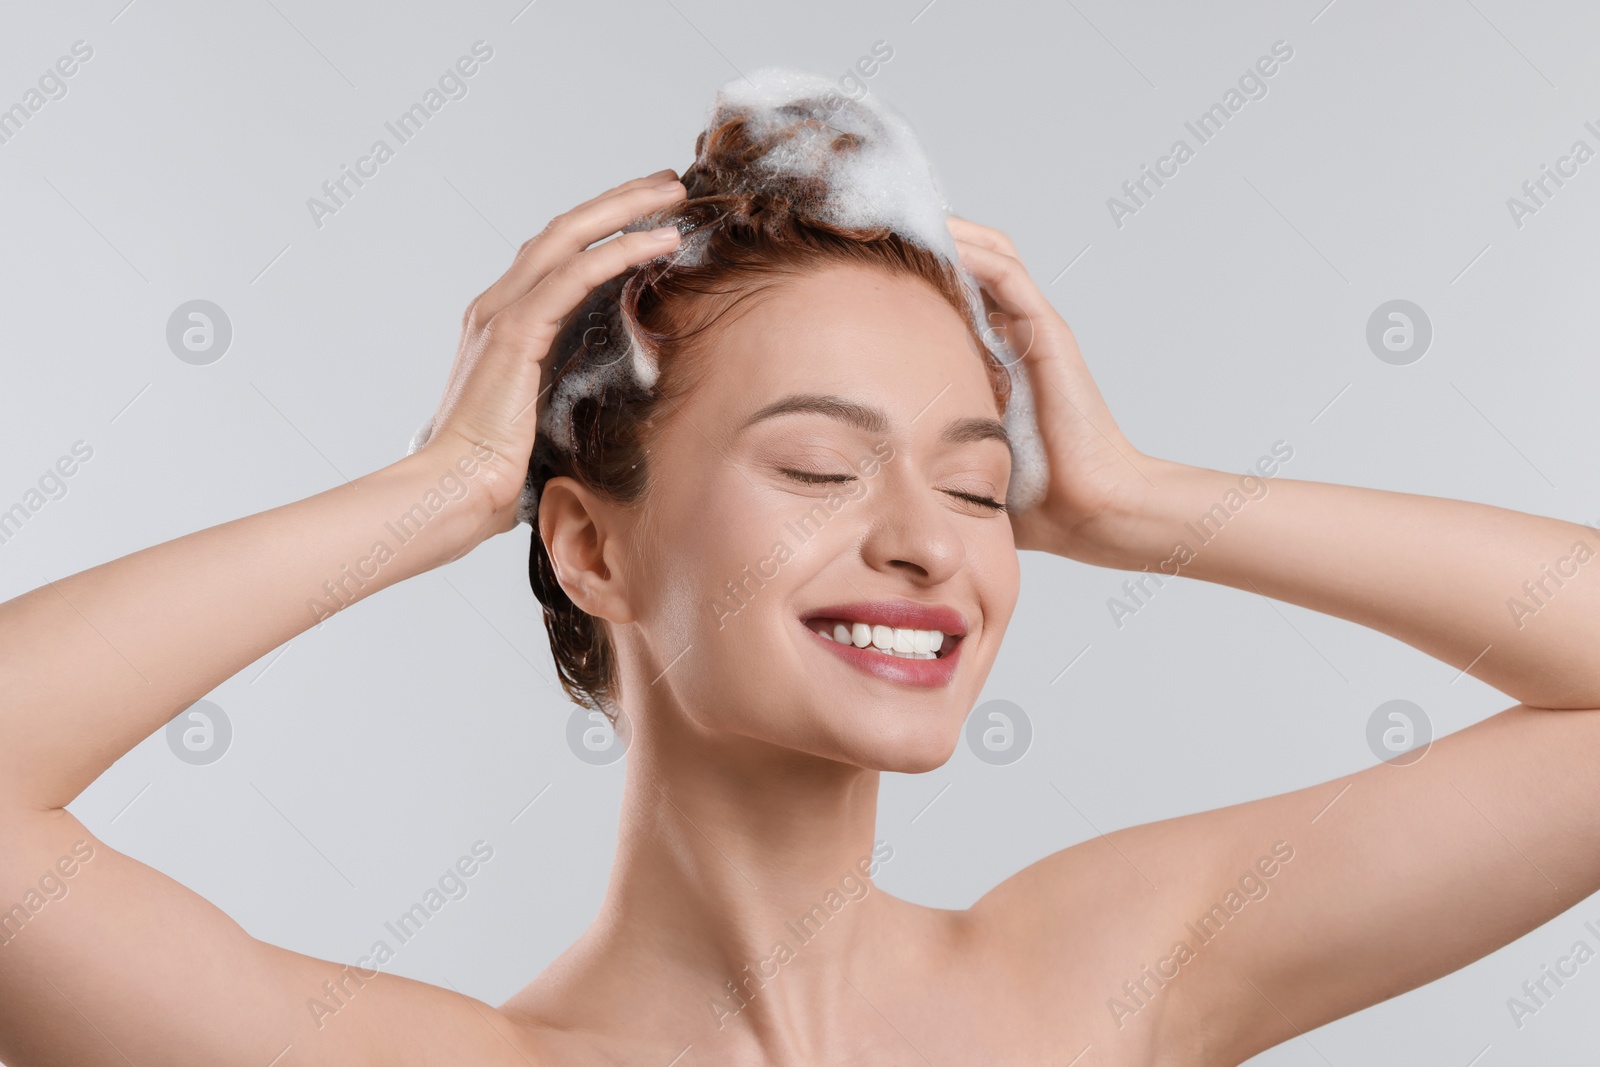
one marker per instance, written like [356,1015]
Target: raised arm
[1505,596]
[127,965]
[1395,875]
[1408,870]
[94,663]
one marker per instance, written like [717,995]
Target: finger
[571,232]
[533,318]
[988,237]
[1055,365]
[1006,279]
[665,174]
[1012,289]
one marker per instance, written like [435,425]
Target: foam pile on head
[852,163]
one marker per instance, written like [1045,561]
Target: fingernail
[663,232]
[668,171]
[669,184]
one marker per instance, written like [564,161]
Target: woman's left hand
[1095,476]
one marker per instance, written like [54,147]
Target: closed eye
[820,478]
[817,478]
[974,498]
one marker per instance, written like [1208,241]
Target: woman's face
[824,484]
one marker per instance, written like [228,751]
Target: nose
[911,534]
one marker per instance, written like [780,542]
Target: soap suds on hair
[883,180]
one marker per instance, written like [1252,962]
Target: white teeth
[904,642]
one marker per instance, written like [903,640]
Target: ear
[580,532]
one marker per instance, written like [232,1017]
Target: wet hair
[745,229]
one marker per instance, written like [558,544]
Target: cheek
[997,570]
[717,549]
[1012,566]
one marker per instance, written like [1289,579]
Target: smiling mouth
[895,641]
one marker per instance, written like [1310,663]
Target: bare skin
[752,794]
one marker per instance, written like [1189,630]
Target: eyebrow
[976,429]
[873,420]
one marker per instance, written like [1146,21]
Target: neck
[741,872]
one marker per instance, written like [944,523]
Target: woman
[780,543]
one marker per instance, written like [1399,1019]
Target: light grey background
[1228,314]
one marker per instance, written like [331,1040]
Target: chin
[912,746]
[916,760]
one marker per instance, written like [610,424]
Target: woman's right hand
[489,406]
[95,663]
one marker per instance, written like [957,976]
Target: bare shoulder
[1222,933]
[109,961]
[409,1023]
[1099,932]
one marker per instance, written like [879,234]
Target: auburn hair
[751,228]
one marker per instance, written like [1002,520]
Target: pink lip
[905,614]
[920,673]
